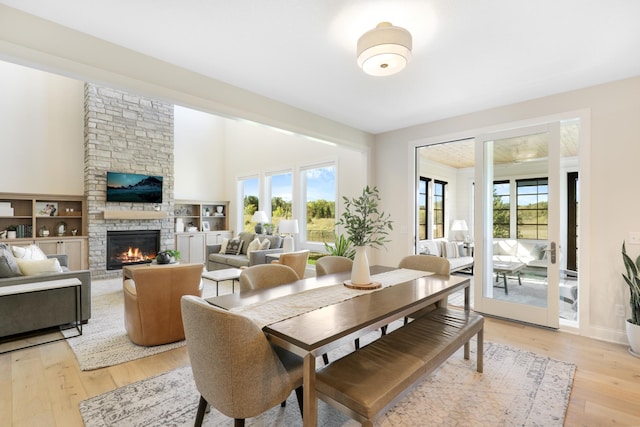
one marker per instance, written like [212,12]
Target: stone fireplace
[131,247]
[125,133]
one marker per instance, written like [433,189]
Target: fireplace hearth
[131,247]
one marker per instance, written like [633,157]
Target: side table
[218,276]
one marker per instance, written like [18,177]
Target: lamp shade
[459,225]
[289,226]
[260,217]
[385,50]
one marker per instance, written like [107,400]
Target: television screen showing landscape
[131,187]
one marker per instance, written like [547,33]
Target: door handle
[553,252]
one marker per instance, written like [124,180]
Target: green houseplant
[168,256]
[633,281]
[342,247]
[366,226]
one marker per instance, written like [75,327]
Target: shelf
[113,214]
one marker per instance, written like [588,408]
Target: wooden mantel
[118,214]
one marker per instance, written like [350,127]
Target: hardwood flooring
[42,386]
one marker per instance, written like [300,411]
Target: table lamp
[260,217]
[288,227]
[460,225]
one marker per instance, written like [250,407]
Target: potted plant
[366,226]
[168,256]
[341,247]
[633,281]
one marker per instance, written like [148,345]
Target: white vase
[633,335]
[360,274]
[11,234]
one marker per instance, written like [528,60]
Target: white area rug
[104,341]
[517,388]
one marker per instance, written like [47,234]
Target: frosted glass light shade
[385,50]
[289,226]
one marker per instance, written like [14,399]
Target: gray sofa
[218,261]
[29,312]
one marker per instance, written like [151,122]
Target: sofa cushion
[223,245]
[431,247]
[276,241]
[253,246]
[246,238]
[450,250]
[234,247]
[31,267]
[28,252]
[8,265]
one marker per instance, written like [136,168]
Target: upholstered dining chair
[296,260]
[266,276]
[332,264]
[235,368]
[152,301]
[434,264]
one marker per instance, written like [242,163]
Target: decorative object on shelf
[61,228]
[74,232]
[170,256]
[460,225]
[206,226]
[207,212]
[260,217]
[44,231]
[366,226]
[12,231]
[219,210]
[288,227]
[633,281]
[47,208]
[179,225]
[384,50]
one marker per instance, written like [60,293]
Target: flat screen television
[133,187]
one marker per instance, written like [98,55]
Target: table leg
[519,279]
[504,279]
[310,400]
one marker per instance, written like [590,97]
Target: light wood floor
[43,386]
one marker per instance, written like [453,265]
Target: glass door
[517,194]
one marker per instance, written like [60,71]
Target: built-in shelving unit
[203,223]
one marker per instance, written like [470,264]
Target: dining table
[312,316]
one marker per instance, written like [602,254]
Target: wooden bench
[366,383]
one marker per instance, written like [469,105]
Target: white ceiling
[468,55]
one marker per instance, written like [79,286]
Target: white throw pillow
[28,252]
[253,246]
[30,267]
[450,250]
[223,246]
[265,244]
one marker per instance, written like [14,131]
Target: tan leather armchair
[152,313]
[296,260]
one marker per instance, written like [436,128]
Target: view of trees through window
[532,209]
[438,209]
[250,195]
[281,186]
[501,209]
[320,206]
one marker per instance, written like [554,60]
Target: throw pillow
[265,244]
[30,267]
[223,246]
[253,246]
[450,250]
[28,252]
[234,247]
[8,265]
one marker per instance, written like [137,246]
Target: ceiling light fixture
[385,50]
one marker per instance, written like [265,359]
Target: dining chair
[332,264]
[265,276]
[296,260]
[235,368]
[433,264]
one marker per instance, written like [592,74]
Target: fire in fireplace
[131,247]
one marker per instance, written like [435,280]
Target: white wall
[41,132]
[615,149]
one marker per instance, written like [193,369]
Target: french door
[517,217]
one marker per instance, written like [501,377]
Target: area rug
[517,388]
[104,341]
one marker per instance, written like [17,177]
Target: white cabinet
[215,237]
[191,247]
[75,249]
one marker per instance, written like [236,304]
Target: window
[319,190]
[532,208]
[249,188]
[438,208]
[281,189]
[422,208]
[501,209]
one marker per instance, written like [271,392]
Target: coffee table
[217,276]
[507,267]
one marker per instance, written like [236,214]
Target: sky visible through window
[321,184]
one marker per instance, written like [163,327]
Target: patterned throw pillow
[450,250]
[234,247]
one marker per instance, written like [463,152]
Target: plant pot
[633,335]
[360,274]
[11,234]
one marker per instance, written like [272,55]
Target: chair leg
[238,422]
[384,329]
[202,406]
[325,359]
[357,343]
[300,399]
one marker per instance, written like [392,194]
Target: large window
[438,208]
[250,196]
[319,190]
[280,186]
[422,207]
[532,208]
[501,209]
